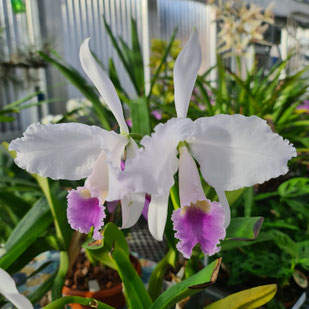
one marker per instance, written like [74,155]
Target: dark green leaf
[194,284]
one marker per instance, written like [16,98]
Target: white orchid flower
[8,290]
[232,152]
[75,151]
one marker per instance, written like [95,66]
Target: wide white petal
[153,168]
[186,68]
[131,207]
[9,290]
[227,211]
[237,151]
[190,187]
[60,151]
[103,84]
[97,182]
[157,215]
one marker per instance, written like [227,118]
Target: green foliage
[249,299]
[99,251]
[190,286]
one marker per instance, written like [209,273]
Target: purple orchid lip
[203,223]
[85,212]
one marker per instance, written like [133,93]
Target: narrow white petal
[190,187]
[186,68]
[9,290]
[97,182]
[153,168]
[227,211]
[131,206]
[157,215]
[60,151]
[103,84]
[237,151]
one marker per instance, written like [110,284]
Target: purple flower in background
[157,114]
[304,107]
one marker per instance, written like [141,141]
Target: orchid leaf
[194,284]
[140,116]
[31,226]
[249,299]
[37,295]
[246,228]
[61,274]
[98,250]
[163,60]
[86,301]
[135,292]
[157,276]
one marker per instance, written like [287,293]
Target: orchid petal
[199,223]
[237,151]
[9,290]
[186,68]
[85,211]
[227,211]
[157,215]
[97,182]
[103,84]
[190,187]
[60,151]
[132,206]
[153,168]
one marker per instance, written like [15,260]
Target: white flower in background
[51,119]
[233,151]
[80,105]
[9,291]
[75,151]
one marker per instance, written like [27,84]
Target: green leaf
[135,292]
[247,228]
[123,56]
[284,242]
[194,284]
[61,274]
[37,295]
[163,60]
[247,299]
[6,118]
[294,187]
[140,116]
[98,250]
[86,301]
[157,276]
[32,225]
[41,244]
[58,206]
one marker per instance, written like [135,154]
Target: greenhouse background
[89,198]
[63,25]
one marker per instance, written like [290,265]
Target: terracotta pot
[113,296]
